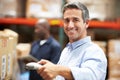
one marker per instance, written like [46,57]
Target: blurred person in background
[46,47]
[81,59]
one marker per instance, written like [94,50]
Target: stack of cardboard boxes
[44,8]
[10,8]
[23,50]
[31,8]
[114,59]
[9,69]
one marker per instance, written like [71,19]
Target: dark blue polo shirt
[50,50]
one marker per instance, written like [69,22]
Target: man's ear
[87,23]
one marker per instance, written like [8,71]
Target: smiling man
[81,59]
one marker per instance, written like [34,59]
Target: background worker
[46,47]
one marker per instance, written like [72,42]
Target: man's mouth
[71,30]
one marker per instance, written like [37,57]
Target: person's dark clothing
[50,50]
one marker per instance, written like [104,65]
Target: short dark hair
[77,5]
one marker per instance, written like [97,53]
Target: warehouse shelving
[31,22]
[28,21]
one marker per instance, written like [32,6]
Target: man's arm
[49,71]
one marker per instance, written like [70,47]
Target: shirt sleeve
[93,66]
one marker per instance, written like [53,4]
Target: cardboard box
[10,65]
[13,67]
[3,55]
[1,9]
[8,61]
[24,57]
[23,49]
[13,71]
[114,59]
[10,8]
[83,1]
[13,34]
[44,8]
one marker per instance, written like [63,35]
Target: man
[81,59]
[44,48]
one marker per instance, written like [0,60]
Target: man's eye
[66,20]
[75,20]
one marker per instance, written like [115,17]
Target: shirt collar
[48,41]
[43,42]
[79,42]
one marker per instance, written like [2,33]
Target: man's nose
[71,24]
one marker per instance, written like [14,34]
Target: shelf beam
[32,21]
[23,21]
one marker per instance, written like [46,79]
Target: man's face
[39,31]
[74,26]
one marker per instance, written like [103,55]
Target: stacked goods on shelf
[10,8]
[23,49]
[39,8]
[100,9]
[114,59]
[3,55]
[14,36]
[9,69]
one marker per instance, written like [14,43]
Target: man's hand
[48,71]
